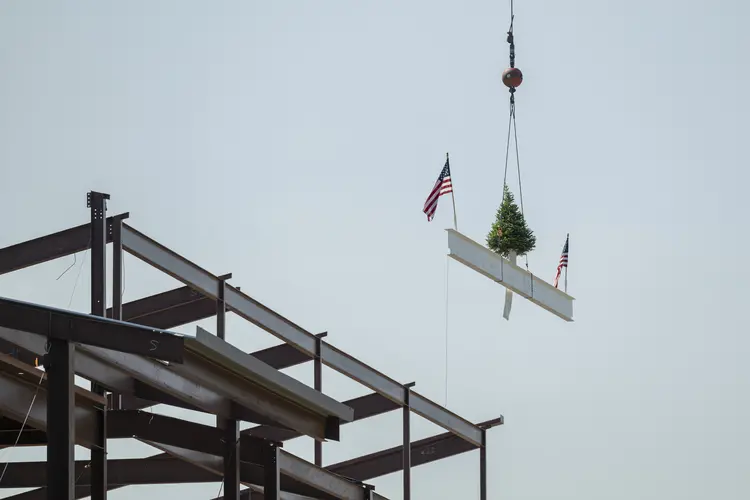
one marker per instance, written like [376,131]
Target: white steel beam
[488,263]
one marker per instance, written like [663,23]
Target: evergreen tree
[514,235]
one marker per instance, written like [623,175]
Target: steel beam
[11,434]
[58,364]
[46,248]
[424,451]
[271,473]
[271,393]
[172,431]
[230,427]
[189,273]
[318,385]
[169,309]
[505,272]
[406,448]
[115,232]
[203,382]
[483,467]
[147,470]
[20,384]
[97,203]
[122,472]
[18,352]
[86,329]
[117,371]
[364,468]
[280,469]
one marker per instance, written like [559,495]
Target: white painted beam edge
[500,270]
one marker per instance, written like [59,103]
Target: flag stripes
[563,261]
[442,186]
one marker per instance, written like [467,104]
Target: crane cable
[512,120]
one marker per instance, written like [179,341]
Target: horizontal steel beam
[504,271]
[172,431]
[200,382]
[11,434]
[364,468]
[388,461]
[364,407]
[90,330]
[423,452]
[169,309]
[117,371]
[196,277]
[121,472]
[233,359]
[49,247]
[149,379]
[21,384]
[19,353]
[297,476]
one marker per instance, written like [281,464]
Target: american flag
[563,261]
[442,186]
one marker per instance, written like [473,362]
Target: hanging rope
[447,275]
[23,424]
[512,116]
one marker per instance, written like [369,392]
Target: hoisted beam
[500,270]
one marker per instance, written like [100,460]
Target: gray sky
[293,144]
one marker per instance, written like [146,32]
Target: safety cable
[23,425]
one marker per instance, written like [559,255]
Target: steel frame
[133,361]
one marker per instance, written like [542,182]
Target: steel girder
[202,446]
[195,382]
[178,267]
[138,471]
[21,384]
[90,330]
[263,317]
[49,247]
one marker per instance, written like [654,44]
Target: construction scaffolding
[134,361]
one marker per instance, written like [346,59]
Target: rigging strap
[512,122]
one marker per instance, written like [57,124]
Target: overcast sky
[293,144]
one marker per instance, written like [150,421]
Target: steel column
[406,453]
[230,427]
[318,375]
[115,230]
[97,202]
[117,277]
[60,420]
[483,467]
[271,474]
[221,308]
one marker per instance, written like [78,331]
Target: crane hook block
[512,77]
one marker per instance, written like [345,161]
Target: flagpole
[453,196]
[567,241]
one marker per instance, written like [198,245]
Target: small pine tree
[514,235]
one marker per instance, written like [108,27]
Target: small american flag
[563,261]
[442,186]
